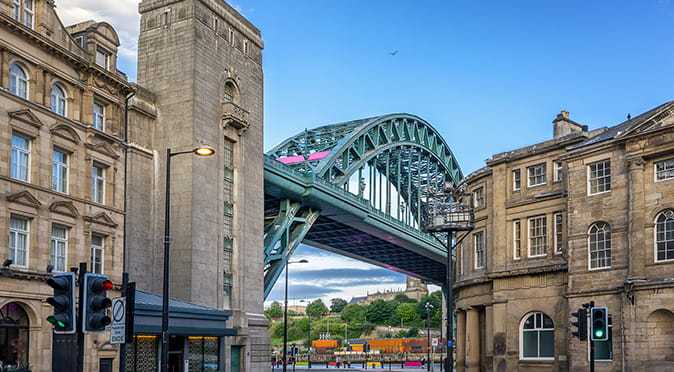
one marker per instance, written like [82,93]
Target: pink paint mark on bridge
[319,155]
[296,159]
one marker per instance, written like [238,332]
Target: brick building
[587,215]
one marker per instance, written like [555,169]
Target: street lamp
[202,151]
[285,317]
[429,308]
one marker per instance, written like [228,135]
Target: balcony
[235,116]
[441,215]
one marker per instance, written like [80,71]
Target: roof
[626,126]
[151,300]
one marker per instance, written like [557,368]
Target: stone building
[200,69]
[585,216]
[62,103]
[414,289]
[62,172]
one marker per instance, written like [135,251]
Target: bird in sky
[393,53]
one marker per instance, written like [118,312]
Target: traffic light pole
[80,316]
[591,355]
[449,331]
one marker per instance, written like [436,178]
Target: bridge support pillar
[460,340]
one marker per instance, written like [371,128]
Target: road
[357,367]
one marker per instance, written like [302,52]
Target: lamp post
[203,151]
[429,308]
[285,317]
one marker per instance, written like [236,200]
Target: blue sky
[489,75]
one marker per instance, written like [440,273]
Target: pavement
[356,367]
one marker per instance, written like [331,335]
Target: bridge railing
[428,238]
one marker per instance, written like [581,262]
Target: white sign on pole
[118,325]
[436,342]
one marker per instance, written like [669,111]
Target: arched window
[599,246]
[537,337]
[231,93]
[58,100]
[13,335]
[664,236]
[18,81]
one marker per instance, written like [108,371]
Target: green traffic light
[57,323]
[598,333]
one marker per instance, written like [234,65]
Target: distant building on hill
[299,309]
[414,289]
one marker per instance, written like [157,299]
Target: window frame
[94,183]
[100,249]
[517,179]
[483,250]
[53,99]
[600,225]
[26,152]
[557,171]
[95,115]
[26,232]
[53,259]
[538,331]
[558,232]
[57,167]
[16,10]
[481,202]
[589,177]
[655,236]
[16,80]
[104,52]
[28,10]
[545,237]
[655,170]
[544,175]
[517,239]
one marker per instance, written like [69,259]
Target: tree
[402,299]
[274,311]
[435,299]
[379,312]
[337,305]
[317,309]
[353,313]
[406,312]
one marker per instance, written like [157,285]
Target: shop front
[197,336]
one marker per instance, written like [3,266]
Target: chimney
[563,125]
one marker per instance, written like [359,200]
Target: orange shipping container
[324,344]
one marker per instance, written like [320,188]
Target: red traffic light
[99,285]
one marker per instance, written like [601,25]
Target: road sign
[450,343]
[436,342]
[118,325]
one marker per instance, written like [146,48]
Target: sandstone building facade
[62,105]
[66,150]
[587,215]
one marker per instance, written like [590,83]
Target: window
[599,246]
[18,81]
[99,116]
[102,58]
[59,247]
[536,175]
[664,236]
[97,242]
[231,36]
[664,170]
[59,172]
[559,171]
[517,180]
[97,183]
[461,259]
[20,163]
[478,239]
[559,233]
[18,241]
[16,9]
[517,239]
[603,350]
[245,47]
[80,41]
[537,338]
[28,13]
[478,197]
[599,177]
[537,236]
[58,100]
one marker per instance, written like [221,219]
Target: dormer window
[103,58]
[24,11]
[80,41]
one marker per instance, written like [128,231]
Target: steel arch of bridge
[378,160]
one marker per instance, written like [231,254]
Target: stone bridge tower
[202,62]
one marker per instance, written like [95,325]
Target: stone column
[472,340]
[460,340]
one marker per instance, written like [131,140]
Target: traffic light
[599,319]
[96,302]
[63,302]
[580,324]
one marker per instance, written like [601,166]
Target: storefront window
[203,354]
[14,340]
[143,354]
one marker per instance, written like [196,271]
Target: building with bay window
[594,221]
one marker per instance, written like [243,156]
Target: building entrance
[176,353]
[13,336]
